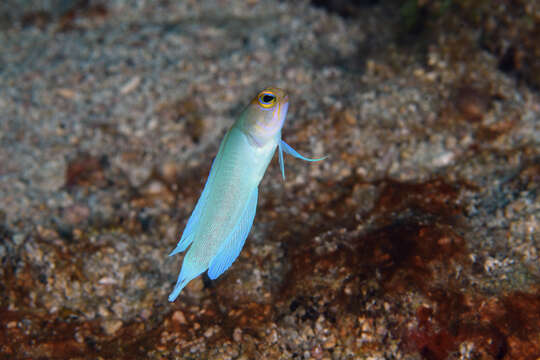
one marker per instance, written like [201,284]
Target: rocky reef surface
[418,238]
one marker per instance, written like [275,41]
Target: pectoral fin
[234,243]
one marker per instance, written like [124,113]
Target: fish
[222,218]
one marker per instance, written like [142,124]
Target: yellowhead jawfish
[223,215]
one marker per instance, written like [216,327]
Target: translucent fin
[177,289]
[184,242]
[188,273]
[281,162]
[289,150]
[234,243]
[187,237]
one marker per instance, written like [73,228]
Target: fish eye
[267,99]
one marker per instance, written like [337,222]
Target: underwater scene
[270,179]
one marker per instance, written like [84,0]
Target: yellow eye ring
[267,99]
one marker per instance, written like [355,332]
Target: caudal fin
[189,272]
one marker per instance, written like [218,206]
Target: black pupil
[267,98]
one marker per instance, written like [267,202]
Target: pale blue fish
[222,218]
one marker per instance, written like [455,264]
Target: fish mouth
[283,109]
[284,104]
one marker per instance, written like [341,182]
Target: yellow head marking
[263,118]
[267,99]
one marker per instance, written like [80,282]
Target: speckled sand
[417,238]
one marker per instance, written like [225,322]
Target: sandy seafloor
[418,238]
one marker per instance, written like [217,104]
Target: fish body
[222,218]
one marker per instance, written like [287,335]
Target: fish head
[263,118]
